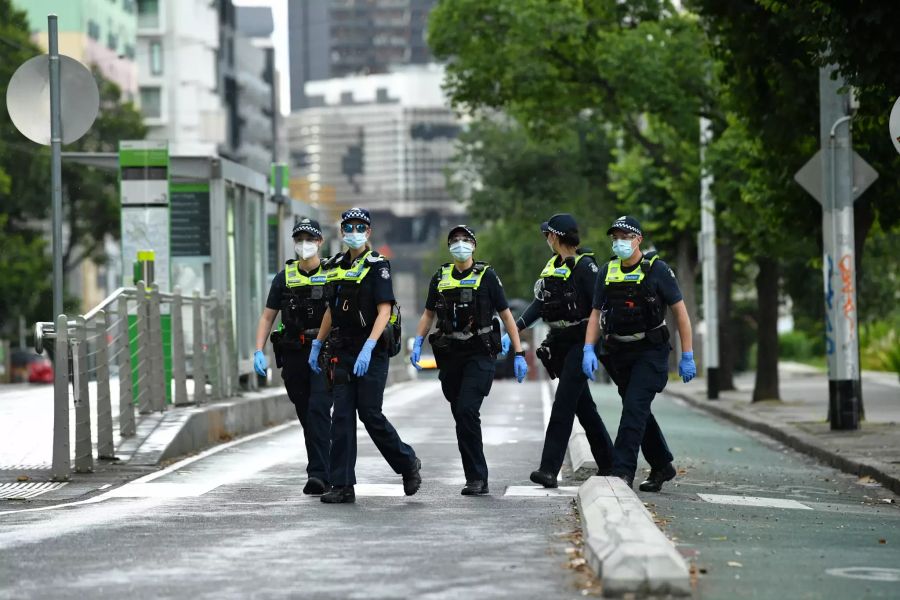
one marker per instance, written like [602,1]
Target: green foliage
[799,346]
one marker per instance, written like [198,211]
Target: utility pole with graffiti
[836,176]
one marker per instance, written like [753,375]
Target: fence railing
[148,348]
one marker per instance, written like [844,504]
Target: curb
[800,441]
[177,433]
[623,544]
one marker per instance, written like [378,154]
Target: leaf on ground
[23,478]
[882,541]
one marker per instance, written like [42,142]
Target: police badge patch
[385,273]
[594,267]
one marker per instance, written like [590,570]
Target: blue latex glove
[504,344]
[260,364]
[314,357]
[417,352]
[687,369]
[589,362]
[362,361]
[521,368]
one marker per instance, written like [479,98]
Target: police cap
[465,229]
[560,224]
[355,213]
[309,226]
[626,223]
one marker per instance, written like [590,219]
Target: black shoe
[657,478]
[548,480]
[629,481]
[413,479]
[475,488]
[315,487]
[339,495]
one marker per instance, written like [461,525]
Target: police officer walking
[362,334]
[298,292]
[563,297]
[465,296]
[630,299]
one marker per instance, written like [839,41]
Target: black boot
[339,495]
[413,479]
[629,481]
[548,480]
[657,478]
[315,487]
[475,488]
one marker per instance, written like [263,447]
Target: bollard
[105,446]
[157,379]
[126,377]
[179,396]
[143,351]
[62,461]
[84,459]
[199,359]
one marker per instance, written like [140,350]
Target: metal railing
[122,346]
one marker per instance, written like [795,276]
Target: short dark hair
[570,239]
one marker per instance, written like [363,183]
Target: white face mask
[306,250]
[461,251]
[355,240]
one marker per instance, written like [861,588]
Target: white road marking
[23,491]
[378,489]
[867,573]
[533,491]
[753,501]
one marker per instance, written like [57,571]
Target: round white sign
[894,125]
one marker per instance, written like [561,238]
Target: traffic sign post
[836,176]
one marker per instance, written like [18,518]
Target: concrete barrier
[624,546]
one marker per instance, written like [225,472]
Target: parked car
[25,365]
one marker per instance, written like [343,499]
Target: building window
[112,41]
[151,102]
[129,51]
[156,62]
[93,29]
[148,14]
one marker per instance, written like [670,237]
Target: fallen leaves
[882,541]
[23,478]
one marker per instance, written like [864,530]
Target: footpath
[800,419]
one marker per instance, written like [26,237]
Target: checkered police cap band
[626,227]
[356,213]
[556,231]
[307,227]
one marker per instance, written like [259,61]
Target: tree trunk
[766,387]
[725,276]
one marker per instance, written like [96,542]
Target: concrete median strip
[623,544]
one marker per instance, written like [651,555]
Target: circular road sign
[28,99]
[894,124]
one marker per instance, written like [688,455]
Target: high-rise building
[99,33]
[178,48]
[334,38]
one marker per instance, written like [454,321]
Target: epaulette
[290,261]
[330,262]
[479,266]
[372,257]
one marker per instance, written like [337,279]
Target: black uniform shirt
[490,283]
[279,286]
[374,289]
[660,280]
[584,276]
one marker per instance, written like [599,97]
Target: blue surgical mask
[355,240]
[622,249]
[461,251]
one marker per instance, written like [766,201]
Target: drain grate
[24,491]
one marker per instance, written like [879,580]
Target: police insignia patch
[385,274]
[594,267]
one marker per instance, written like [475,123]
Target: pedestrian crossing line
[382,490]
[27,467]
[757,501]
[24,491]
[535,491]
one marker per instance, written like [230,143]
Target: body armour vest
[303,303]
[350,307]
[630,307]
[559,297]
[463,308]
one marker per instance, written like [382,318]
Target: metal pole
[157,381]
[144,351]
[105,446]
[62,457]
[839,260]
[55,164]
[178,368]
[708,260]
[198,362]
[84,459]
[126,378]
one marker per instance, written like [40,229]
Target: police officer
[563,297]
[361,329]
[464,296]
[298,292]
[630,299]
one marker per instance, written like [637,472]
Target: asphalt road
[234,523]
[815,532]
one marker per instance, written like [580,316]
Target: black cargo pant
[465,381]
[312,401]
[364,396]
[639,372]
[573,398]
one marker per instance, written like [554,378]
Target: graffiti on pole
[829,298]
[849,307]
